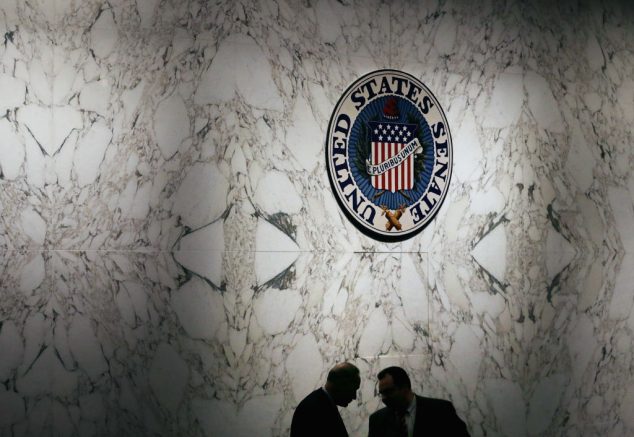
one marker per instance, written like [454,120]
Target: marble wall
[172,261]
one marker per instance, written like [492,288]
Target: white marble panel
[601,346]
[270,239]
[168,365]
[239,69]
[209,240]
[455,36]
[126,15]
[77,351]
[196,127]
[328,27]
[74,142]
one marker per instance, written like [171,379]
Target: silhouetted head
[342,383]
[395,388]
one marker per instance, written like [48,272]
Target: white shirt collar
[332,401]
[410,418]
[411,409]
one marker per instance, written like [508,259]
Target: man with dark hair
[317,415]
[409,415]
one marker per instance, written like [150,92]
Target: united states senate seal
[389,155]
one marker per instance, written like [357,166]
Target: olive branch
[364,148]
[419,162]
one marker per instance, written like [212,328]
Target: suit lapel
[338,420]
[391,423]
[342,426]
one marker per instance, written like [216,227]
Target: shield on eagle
[389,141]
[391,147]
[391,163]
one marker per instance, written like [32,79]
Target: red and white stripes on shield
[398,178]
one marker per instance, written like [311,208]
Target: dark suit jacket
[317,416]
[434,418]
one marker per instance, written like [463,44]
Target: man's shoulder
[441,413]
[432,402]
[435,407]
[316,416]
[422,402]
[382,412]
[318,394]
[317,397]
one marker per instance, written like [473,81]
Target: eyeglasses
[387,392]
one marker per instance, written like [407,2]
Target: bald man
[317,414]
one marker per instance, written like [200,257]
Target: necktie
[401,423]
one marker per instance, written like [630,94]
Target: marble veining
[172,261]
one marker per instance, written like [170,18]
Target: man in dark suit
[409,415]
[317,415]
